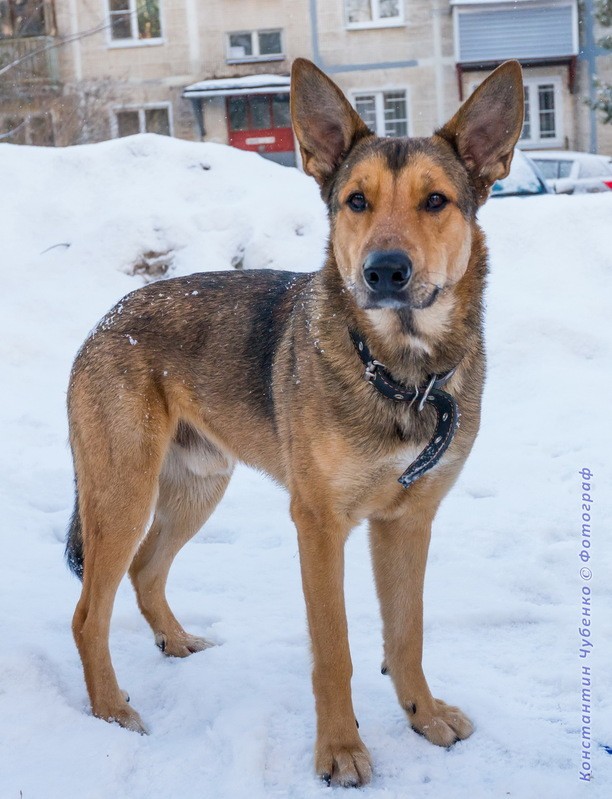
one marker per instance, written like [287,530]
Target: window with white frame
[385,113]
[542,112]
[254,46]
[149,119]
[369,13]
[134,20]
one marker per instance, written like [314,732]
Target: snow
[207,88]
[503,593]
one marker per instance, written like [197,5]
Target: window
[37,130]
[134,20]
[153,119]
[258,112]
[554,169]
[373,13]
[542,112]
[386,113]
[593,168]
[20,18]
[254,46]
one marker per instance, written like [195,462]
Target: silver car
[568,172]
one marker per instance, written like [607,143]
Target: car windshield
[522,179]
[554,168]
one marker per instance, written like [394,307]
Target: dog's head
[403,210]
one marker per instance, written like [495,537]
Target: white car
[568,172]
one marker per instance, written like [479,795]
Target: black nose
[387,271]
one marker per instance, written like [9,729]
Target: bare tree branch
[15,130]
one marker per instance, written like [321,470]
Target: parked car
[524,180]
[568,172]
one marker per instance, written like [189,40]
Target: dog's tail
[74,542]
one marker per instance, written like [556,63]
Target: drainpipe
[589,54]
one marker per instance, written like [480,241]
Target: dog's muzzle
[386,274]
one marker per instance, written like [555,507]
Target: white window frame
[379,105]
[133,41]
[535,140]
[256,55]
[141,116]
[377,21]
[533,83]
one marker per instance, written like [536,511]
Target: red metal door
[260,122]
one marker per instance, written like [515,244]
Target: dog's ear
[486,128]
[325,124]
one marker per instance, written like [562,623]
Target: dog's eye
[357,202]
[435,202]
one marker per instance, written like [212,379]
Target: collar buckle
[427,392]
[371,369]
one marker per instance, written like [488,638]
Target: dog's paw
[124,715]
[181,645]
[441,724]
[346,764]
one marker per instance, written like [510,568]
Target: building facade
[218,70]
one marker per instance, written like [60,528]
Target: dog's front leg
[399,552]
[340,756]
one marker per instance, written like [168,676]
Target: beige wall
[193,48]
[425,36]
[98,75]
[228,16]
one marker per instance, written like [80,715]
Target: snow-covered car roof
[553,155]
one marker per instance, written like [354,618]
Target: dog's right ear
[486,128]
[325,124]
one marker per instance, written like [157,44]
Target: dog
[185,377]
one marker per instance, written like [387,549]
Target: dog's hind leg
[118,450]
[193,479]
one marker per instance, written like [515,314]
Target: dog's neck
[413,344]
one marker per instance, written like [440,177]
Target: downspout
[589,54]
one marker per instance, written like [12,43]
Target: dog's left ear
[487,127]
[324,121]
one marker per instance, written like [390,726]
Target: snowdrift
[80,227]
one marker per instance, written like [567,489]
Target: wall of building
[98,75]
[416,55]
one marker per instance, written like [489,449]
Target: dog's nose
[387,271]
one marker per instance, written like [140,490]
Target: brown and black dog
[185,377]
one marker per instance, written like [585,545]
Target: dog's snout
[387,271]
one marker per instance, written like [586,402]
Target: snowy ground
[503,598]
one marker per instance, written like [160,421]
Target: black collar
[446,408]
